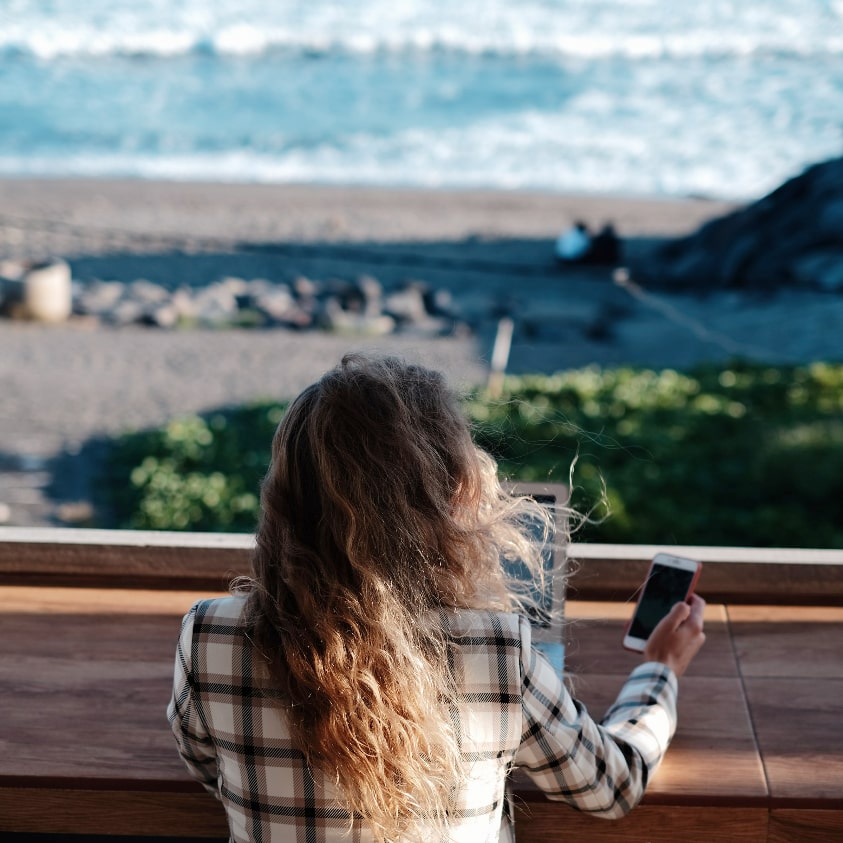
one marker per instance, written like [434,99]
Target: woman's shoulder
[500,628]
[214,634]
[227,611]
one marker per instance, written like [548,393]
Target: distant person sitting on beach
[573,244]
[375,678]
[605,247]
[578,245]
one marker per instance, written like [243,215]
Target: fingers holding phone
[678,637]
[670,580]
[667,624]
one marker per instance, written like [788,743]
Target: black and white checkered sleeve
[194,743]
[601,768]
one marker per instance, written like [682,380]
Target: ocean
[638,97]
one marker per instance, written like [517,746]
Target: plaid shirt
[513,711]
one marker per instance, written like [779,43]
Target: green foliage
[195,473]
[749,455]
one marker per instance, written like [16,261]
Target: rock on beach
[793,236]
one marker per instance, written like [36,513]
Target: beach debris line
[360,307]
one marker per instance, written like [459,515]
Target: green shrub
[748,455]
[195,473]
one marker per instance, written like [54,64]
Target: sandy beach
[493,251]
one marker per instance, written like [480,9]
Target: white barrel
[47,292]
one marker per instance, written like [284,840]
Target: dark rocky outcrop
[792,236]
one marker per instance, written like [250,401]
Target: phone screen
[665,587]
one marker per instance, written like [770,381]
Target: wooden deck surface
[85,676]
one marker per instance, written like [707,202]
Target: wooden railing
[88,621]
[162,560]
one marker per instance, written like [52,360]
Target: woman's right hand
[679,636]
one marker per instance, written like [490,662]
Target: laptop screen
[540,615]
[547,619]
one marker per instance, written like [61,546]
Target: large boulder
[792,236]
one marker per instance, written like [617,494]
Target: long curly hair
[378,513]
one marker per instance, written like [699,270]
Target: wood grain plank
[32,810]
[805,826]
[125,558]
[729,574]
[546,822]
[142,813]
[788,641]
[46,600]
[798,728]
[594,635]
[110,656]
[84,683]
[713,755]
[122,558]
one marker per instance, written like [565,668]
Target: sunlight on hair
[380,513]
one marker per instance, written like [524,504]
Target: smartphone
[670,580]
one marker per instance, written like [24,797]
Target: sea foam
[720,98]
[50,29]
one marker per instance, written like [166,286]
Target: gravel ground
[62,385]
